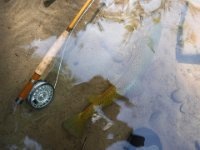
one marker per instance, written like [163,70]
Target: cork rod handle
[50,55]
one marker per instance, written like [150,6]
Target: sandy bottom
[150,50]
[21,22]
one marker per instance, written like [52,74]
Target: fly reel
[41,94]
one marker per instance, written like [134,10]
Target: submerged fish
[76,124]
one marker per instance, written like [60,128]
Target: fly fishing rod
[38,92]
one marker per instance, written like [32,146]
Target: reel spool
[41,94]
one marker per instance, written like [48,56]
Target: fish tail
[121,97]
[75,125]
[127,101]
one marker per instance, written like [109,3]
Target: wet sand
[21,22]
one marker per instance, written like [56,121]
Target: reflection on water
[123,47]
[187,49]
[114,53]
[31,144]
[138,54]
[42,46]
[28,143]
[166,97]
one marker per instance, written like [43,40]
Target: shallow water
[150,52]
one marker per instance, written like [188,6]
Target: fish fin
[121,97]
[127,101]
[75,125]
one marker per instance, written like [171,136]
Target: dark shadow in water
[180,57]
[47,3]
[151,139]
[136,140]
[197,145]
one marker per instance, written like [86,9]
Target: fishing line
[67,41]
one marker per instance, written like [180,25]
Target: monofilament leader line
[67,41]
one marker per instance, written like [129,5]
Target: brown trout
[76,124]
